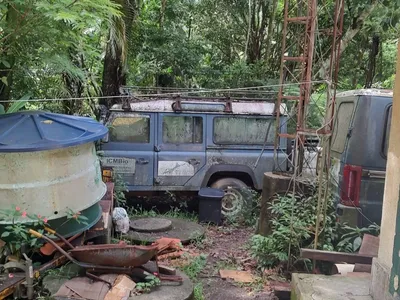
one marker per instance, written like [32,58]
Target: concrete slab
[184,230]
[321,287]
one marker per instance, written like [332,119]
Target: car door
[130,148]
[180,148]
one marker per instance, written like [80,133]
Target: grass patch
[198,291]
[193,269]
[195,266]
[174,212]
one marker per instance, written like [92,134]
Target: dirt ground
[227,248]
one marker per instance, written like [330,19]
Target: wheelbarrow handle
[53,232]
[49,230]
[35,233]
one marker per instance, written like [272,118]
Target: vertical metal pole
[281,82]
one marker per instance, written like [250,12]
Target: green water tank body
[49,166]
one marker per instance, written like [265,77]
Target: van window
[132,129]
[182,130]
[341,126]
[387,131]
[240,130]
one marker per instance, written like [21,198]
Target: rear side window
[182,130]
[240,130]
[132,129]
[341,126]
[387,131]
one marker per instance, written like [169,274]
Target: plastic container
[210,205]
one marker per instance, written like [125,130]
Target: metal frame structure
[299,38]
[301,27]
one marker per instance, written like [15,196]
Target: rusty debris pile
[107,270]
[126,270]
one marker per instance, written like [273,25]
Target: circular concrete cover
[184,230]
[151,225]
[170,290]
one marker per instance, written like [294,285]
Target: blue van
[185,144]
[358,153]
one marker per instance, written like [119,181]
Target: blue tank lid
[38,130]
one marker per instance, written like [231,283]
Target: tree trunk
[114,70]
[256,34]
[270,30]
[348,37]
[372,61]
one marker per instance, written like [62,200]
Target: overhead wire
[163,94]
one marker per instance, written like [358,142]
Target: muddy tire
[237,197]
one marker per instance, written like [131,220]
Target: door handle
[142,161]
[194,161]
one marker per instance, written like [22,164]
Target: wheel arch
[241,172]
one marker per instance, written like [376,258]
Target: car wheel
[237,196]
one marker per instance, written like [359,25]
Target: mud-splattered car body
[170,145]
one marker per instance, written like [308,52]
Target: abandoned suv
[359,151]
[183,145]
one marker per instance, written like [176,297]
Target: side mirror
[105,138]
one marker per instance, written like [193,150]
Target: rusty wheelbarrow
[116,258]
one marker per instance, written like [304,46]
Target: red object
[350,189]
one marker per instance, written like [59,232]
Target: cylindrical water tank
[48,164]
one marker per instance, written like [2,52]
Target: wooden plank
[350,258]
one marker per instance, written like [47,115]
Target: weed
[138,211]
[199,240]
[351,238]
[174,212]
[145,287]
[293,228]
[119,189]
[193,269]
[198,291]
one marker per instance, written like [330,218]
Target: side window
[130,129]
[241,130]
[182,130]
[387,131]
[341,126]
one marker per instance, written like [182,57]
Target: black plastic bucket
[210,205]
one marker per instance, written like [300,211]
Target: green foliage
[198,291]
[77,216]
[150,283]
[120,189]
[53,49]
[351,238]
[193,269]
[292,228]
[15,106]
[16,234]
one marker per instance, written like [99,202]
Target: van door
[130,148]
[180,148]
[341,131]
